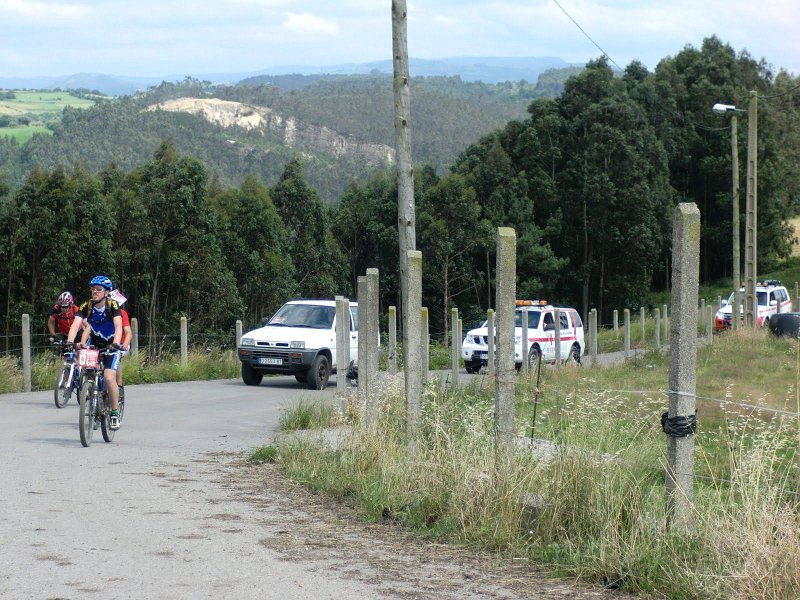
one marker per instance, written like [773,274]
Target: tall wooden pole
[751,229]
[737,267]
[406,218]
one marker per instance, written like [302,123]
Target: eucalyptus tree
[614,190]
[450,230]
[255,245]
[316,255]
[365,224]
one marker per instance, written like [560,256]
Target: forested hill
[448,114]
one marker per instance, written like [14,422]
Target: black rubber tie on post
[678,426]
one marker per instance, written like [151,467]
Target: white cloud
[43,10]
[309,24]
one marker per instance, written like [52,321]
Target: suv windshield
[304,315]
[533,318]
[762,298]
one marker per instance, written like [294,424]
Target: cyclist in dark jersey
[103,330]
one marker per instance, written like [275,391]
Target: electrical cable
[588,36]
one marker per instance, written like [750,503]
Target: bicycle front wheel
[105,421]
[61,390]
[86,413]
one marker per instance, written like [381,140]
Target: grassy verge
[202,365]
[598,495]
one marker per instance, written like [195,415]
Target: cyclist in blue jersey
[104,330]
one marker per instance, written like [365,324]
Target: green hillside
[448,115]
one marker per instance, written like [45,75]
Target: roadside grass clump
[11,379]
[263,454]
[588,498]
[308,414]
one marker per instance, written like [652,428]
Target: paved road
[167,511]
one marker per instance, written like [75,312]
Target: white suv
[773,298]
[299,340]
[541,336]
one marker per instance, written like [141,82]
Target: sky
[163,37]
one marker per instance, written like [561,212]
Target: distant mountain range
[487,69]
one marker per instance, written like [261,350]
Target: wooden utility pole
[737,267]
[406,217]
[410,258]
[751,228]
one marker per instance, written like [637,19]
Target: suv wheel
[319,373]
[575,354]
[251,376]
[472,366]
[534,356]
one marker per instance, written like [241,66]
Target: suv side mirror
[548,326]
[724,303]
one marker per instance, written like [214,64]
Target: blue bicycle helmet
[102,281]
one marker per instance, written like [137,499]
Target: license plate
[270,361]
[483,355]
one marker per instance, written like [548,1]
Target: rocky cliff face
[294,133]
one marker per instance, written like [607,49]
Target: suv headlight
[297,345]
[248,342]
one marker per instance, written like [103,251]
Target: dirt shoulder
[335,537]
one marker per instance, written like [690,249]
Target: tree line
[588,180]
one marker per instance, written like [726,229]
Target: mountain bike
[68,378]
[94,402]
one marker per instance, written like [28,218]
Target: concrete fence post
[454,344]
[491,362]
[626,332]
[665,314]
[26,351]
[460,338]
[373,346]
[342,350]
[363,346]
[710,326]
[593,336]
[505,294]
[643,322]
[134,336]
[412,350]
[184,342]
[238,333]
[525,341]
[615,324]
[392,348]
[682,366]
[557,336]
[719,302]
[658,329]
[425,338]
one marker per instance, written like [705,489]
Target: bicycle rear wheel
[86,412]
[62,391]
[105,421]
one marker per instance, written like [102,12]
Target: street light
[736,271]
[751,236]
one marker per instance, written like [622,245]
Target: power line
[784,93]
[588,36]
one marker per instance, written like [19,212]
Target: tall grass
[201,365]
[591,501]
